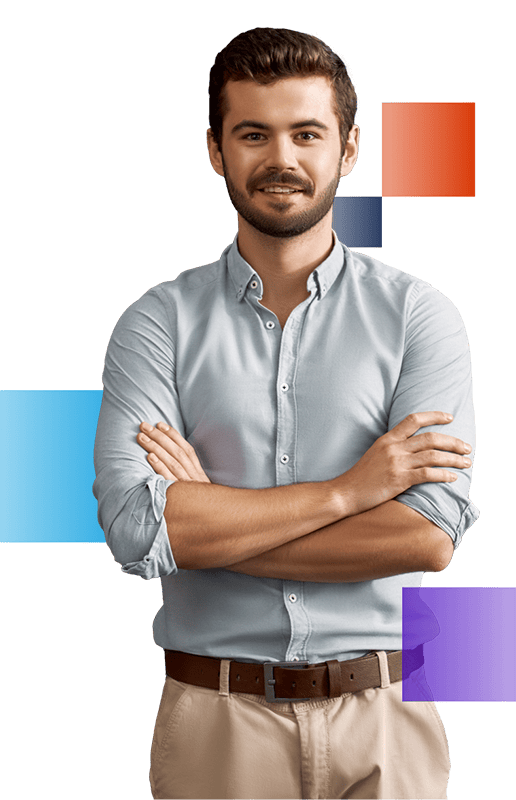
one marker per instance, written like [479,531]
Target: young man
[256,450]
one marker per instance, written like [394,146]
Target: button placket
[282,399]
[285,399]
[293,594]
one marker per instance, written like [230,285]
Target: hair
[266,55]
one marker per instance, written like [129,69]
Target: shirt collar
[321,279]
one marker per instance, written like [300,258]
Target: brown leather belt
[293,680]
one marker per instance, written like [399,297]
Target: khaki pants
[369,744]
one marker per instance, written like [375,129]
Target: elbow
[131,526]
[128,540]
[442,551]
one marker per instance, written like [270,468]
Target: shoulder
[161,300]
[191,280]
[189,286]
[419,297]
[371,271]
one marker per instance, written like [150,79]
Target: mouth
[280,190]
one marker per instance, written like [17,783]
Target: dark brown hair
[266,55]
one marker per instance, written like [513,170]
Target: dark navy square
[357,221]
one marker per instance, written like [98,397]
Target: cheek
[240,161]
[323,166]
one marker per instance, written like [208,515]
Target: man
[285,497]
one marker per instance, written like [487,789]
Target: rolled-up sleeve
[139,385]
[436,376]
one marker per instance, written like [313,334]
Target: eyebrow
[252,123]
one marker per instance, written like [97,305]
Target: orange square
[428,150]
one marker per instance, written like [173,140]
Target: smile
[280,189]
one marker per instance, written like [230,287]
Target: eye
[307,136]
[253,137]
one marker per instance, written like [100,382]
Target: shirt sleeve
[436,376]
[139,385]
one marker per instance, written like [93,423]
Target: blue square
[47,470]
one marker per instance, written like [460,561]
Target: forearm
[210,525]
[391,539]
[216,526]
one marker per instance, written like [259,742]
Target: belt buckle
[269,681]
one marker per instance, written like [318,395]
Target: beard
[280,224]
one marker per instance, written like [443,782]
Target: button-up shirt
[265,407]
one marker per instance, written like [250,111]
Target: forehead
[280,103]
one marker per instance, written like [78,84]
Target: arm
[390,539]
[436,371]
[219,526]
[139,382]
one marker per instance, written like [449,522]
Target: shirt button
[284,387]
[284,459]
[254,284]
[292,598]
[269,324]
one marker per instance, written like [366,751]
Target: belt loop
[224,677]
[334,678]
[385,679]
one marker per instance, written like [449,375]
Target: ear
[215,154]
[350,151]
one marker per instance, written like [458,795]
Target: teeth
[281,189]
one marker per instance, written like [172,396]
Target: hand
[169,454]
[398,460]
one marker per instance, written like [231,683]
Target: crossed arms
[349,528]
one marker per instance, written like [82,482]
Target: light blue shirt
[264,407]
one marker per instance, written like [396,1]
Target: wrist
[340,497]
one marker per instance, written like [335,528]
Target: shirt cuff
[432,512]
[159,561]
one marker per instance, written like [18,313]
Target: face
[281,153]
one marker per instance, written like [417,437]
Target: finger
[437,441]
[186,449]
[434,475]
[174,466]
[185,446]
[439,458]
[420,419]
[175,449]
[159,467]
[169,447]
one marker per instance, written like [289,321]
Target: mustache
[279,179]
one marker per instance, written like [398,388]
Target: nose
[281,154]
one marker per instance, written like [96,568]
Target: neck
[285,264]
